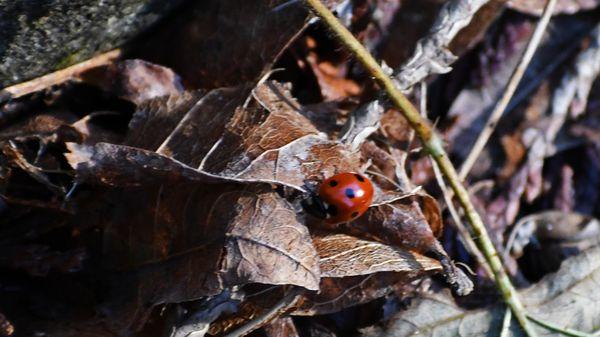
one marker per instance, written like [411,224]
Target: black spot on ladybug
[349,193]
[332,210]
[360,178]
[354,214]
[333,183]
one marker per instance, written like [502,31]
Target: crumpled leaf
[567,299]
[155,119]
[206,233]
[403,224]
[558,227]
[200,242]
[38,125]
[543,240]
[266,139]
[135,80]
[332,77]
[119,165]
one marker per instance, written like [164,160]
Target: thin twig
[506,323]
[462,230]
[432,142]
[288,301]
[509,91]
[460,227]
[60,76]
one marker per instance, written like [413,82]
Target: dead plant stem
[509,91]
[433,143]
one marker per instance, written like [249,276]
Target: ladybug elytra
[344,197]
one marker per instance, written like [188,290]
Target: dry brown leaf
[401,223]
[119,165]
[266,139]
[338,293]
[155,119]
[567,299]
[281,327]
[135,80]
[332,78]
[341,255]
[201,241]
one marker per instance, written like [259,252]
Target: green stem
[432,142]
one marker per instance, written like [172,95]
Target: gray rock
[41,36]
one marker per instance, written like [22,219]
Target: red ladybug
[344,197]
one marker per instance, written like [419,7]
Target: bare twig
[460,227]
[288,301]
[431,54]
[60,76]
[432,142]
[509,91]
[506,323]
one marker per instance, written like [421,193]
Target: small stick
[289,300]
[506,323]
[60,76]
[462,230]
[464,233]
[509,91]
[433,143]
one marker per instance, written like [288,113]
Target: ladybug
[342,198]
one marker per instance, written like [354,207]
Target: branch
[57,77]
[434,145]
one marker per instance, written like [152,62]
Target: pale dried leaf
[432,55]
[343,255]
[567,299]
[135,80]
[266,243]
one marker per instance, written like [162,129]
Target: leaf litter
[164,194]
